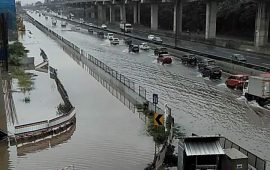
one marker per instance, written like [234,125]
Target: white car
[103,26]
[90,24]
[115,41]
[110,36]
[144,46]
[151,37]
[77,27]
[81,21]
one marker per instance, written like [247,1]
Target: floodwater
[199,105]
[107,134]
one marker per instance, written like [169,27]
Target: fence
[44,126]
[253,160]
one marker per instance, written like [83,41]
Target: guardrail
[192,51]
[253,160]
[44,126]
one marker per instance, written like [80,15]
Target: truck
[258,88]
[125,27]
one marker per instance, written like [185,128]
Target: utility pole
[177,3]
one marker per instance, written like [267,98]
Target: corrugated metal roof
[201,147]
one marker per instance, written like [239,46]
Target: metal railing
[253,160]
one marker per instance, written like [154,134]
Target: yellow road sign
[158,119]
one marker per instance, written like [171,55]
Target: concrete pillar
[3,118]
[101,13]
[139,13]
[135,13]
[93,16]
[123,13]
[262,24]
[211,18]
[154,16]
[178,15]
[112,13]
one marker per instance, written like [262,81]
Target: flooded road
[199,105]
[107,135]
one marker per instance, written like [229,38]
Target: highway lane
[110,137]
[199,105]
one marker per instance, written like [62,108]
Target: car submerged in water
[213,72]
[236,81]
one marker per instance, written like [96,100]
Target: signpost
[158,119]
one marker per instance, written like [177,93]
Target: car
[90,24]
[211,71]
[236,81]
[127,41]
[110,36]
[157,40]
[90,30]
[160,50]
[133,48]
[165,58]
[100,34]
[144,46]
[205,62]
[115,41]
[190,60]
[77,27]
[238,57]
[81,21]
[150,37]
[103,26]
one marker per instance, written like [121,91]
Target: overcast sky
[29,1]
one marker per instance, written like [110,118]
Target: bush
[16,53]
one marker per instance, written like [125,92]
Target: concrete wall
[3,118]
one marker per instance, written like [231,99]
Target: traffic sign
[158,119]
[155,98]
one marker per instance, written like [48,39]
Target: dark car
[128,41]
[133,48]
[160,50]
[204,63]
[100,34]
[90,30]
[190,60]
[213,72]
[157,40]
[238,57]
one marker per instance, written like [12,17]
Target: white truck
[258,89]
[125,27]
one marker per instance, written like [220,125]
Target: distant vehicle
[236,81]
[190,60]
[100,34]
[81,21]
[150,37]
[54,21]
[258,88]
[63,24]
[90,24]
[71,16]
[144,46]
[238,57]
[110,36]
[165,58]
[204,63]
[115,41]
[160,50]
[127,41]
[213,72]
[77,27]
[133,48]
[126,27]
[157,40]
[90,30]
[103,26]
[46,17]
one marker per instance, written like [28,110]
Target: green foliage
[158,132]
[24,79]
[16,53]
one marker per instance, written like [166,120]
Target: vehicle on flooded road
[133,48]
[63,24]
[213,72]
[100,34]
[164,59]
[115,41]
[144,46]
[90,30]
[202,63]
[157,40]
[150,37]
[236,81]
[160,50]
[110,36]
[239,58]
[103,26]
[190,60]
